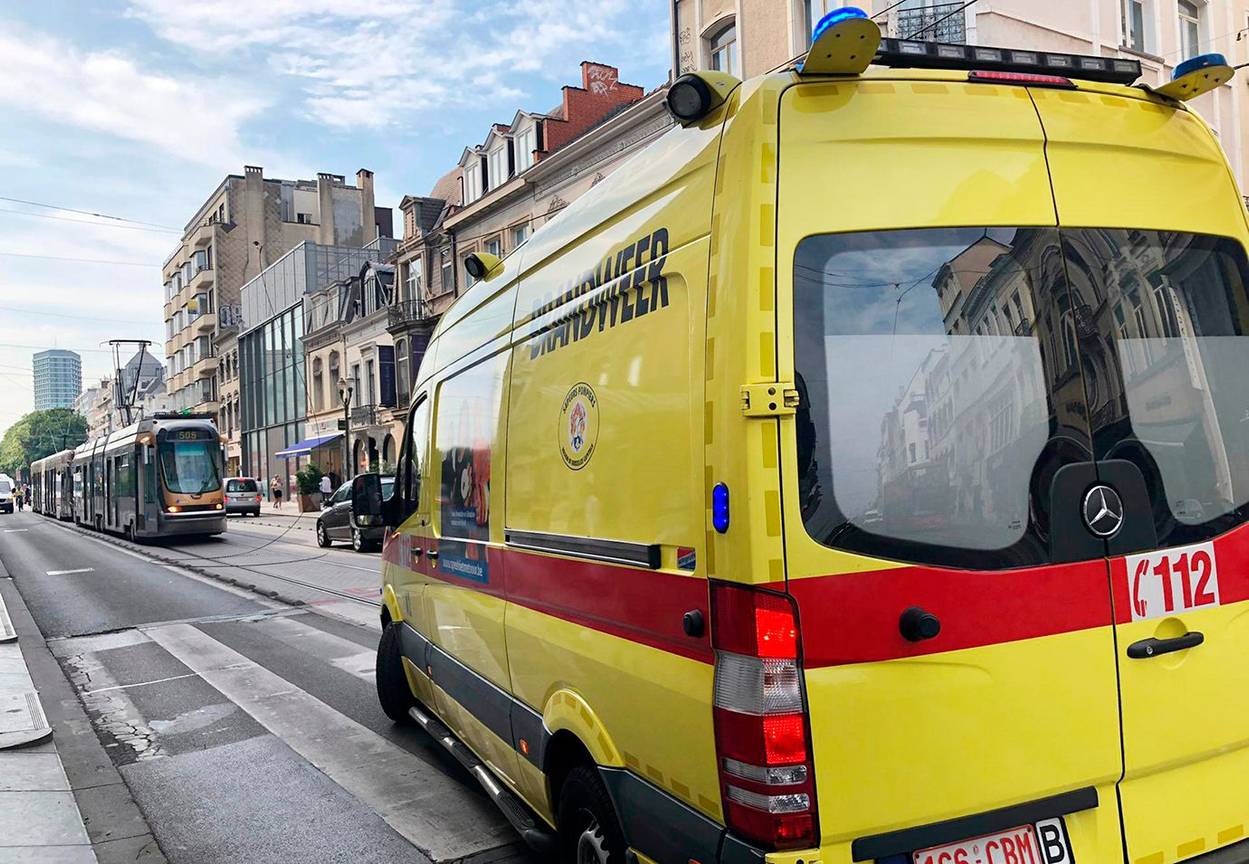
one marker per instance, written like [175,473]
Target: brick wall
[600,94]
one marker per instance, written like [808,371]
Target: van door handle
[1147,648]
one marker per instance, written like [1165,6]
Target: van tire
[587,821]
[393,691]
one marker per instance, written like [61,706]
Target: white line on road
[139,684]
[15,530]
[434,812]
[69,572]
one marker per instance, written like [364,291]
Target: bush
[308,479]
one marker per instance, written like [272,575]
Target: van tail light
[1025,79]
[763,734]
[257,499]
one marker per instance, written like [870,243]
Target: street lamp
[344,393]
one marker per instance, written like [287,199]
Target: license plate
[1045,842]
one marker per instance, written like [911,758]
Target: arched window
[333,372]
[722,45]
[318,386]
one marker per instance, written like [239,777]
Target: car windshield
[946,374]
[241,486]
[190,467]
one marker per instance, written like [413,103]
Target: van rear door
[935,465]
[1163,324]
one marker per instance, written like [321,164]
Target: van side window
[464,433]
[415,459]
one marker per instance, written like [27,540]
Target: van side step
[536,835]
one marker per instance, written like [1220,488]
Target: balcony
[206,323]
[229,318]
[203,235]
[363,415]
[201,280]
[407,312]
[941,22]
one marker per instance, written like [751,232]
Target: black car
[334,523]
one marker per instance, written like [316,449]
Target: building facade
[751,37]
[245,226]
[272,361]
[58,378]
[523,174]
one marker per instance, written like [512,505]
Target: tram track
[204,571]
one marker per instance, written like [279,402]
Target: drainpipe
[676,44]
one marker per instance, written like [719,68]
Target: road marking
[341,653]
[69,572]
[15,530]
[436,814]
[138,684]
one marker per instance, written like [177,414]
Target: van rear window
[925,398]
[241,486]
[946,375]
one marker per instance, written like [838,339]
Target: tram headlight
[174,508]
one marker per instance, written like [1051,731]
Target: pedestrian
[327,487]
[276,489]
[19,497]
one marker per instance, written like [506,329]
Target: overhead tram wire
[88,213]
[81,260]
[88,222]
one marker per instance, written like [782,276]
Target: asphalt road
[246,728]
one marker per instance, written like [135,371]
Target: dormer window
[498,167]
[472,181]
[523,145]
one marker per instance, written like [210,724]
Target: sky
[138,108]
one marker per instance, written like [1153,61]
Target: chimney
[325,208]
[368,218]
[598,78]
[254,213]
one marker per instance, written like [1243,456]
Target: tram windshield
[190,467]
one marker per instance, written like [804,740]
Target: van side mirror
[366,500]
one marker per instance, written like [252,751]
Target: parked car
[242,496]
[6,494]
[335,522]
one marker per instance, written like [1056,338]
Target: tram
[159,477]
[52,485]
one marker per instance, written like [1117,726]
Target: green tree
[39,434]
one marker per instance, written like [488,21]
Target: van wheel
[589,832]
[393,691]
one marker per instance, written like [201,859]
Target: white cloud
[377,63]
[195,118]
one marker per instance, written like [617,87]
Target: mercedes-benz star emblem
[1103,511]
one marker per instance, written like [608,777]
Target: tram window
[190,467]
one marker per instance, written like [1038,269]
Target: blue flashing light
[1201,61]
[832,19]
[720,507]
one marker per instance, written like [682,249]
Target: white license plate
[1173,580]
[1045,842]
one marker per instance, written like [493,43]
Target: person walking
[275,489]
[19,497]
[327,488]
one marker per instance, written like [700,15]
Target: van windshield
[5,487]
[945,375]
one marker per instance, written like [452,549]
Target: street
[244,725]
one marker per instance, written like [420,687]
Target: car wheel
[357,540]
[589,832]
[393,691]
[323,539]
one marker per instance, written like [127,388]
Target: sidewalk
[39,817]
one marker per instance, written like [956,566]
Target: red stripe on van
[634,603]
[853,617]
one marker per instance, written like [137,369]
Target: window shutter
[386,371]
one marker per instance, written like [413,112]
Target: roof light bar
[910,54]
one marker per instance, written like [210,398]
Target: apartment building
[522,174]
[246,225]
[58,378]
[750,37]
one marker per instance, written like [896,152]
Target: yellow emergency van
[859,474]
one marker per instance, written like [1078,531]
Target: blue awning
[303,448]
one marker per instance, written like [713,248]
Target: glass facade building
[271,359]
[58,378]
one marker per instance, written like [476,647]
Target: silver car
[242,495]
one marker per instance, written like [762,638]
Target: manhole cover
[21,720]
